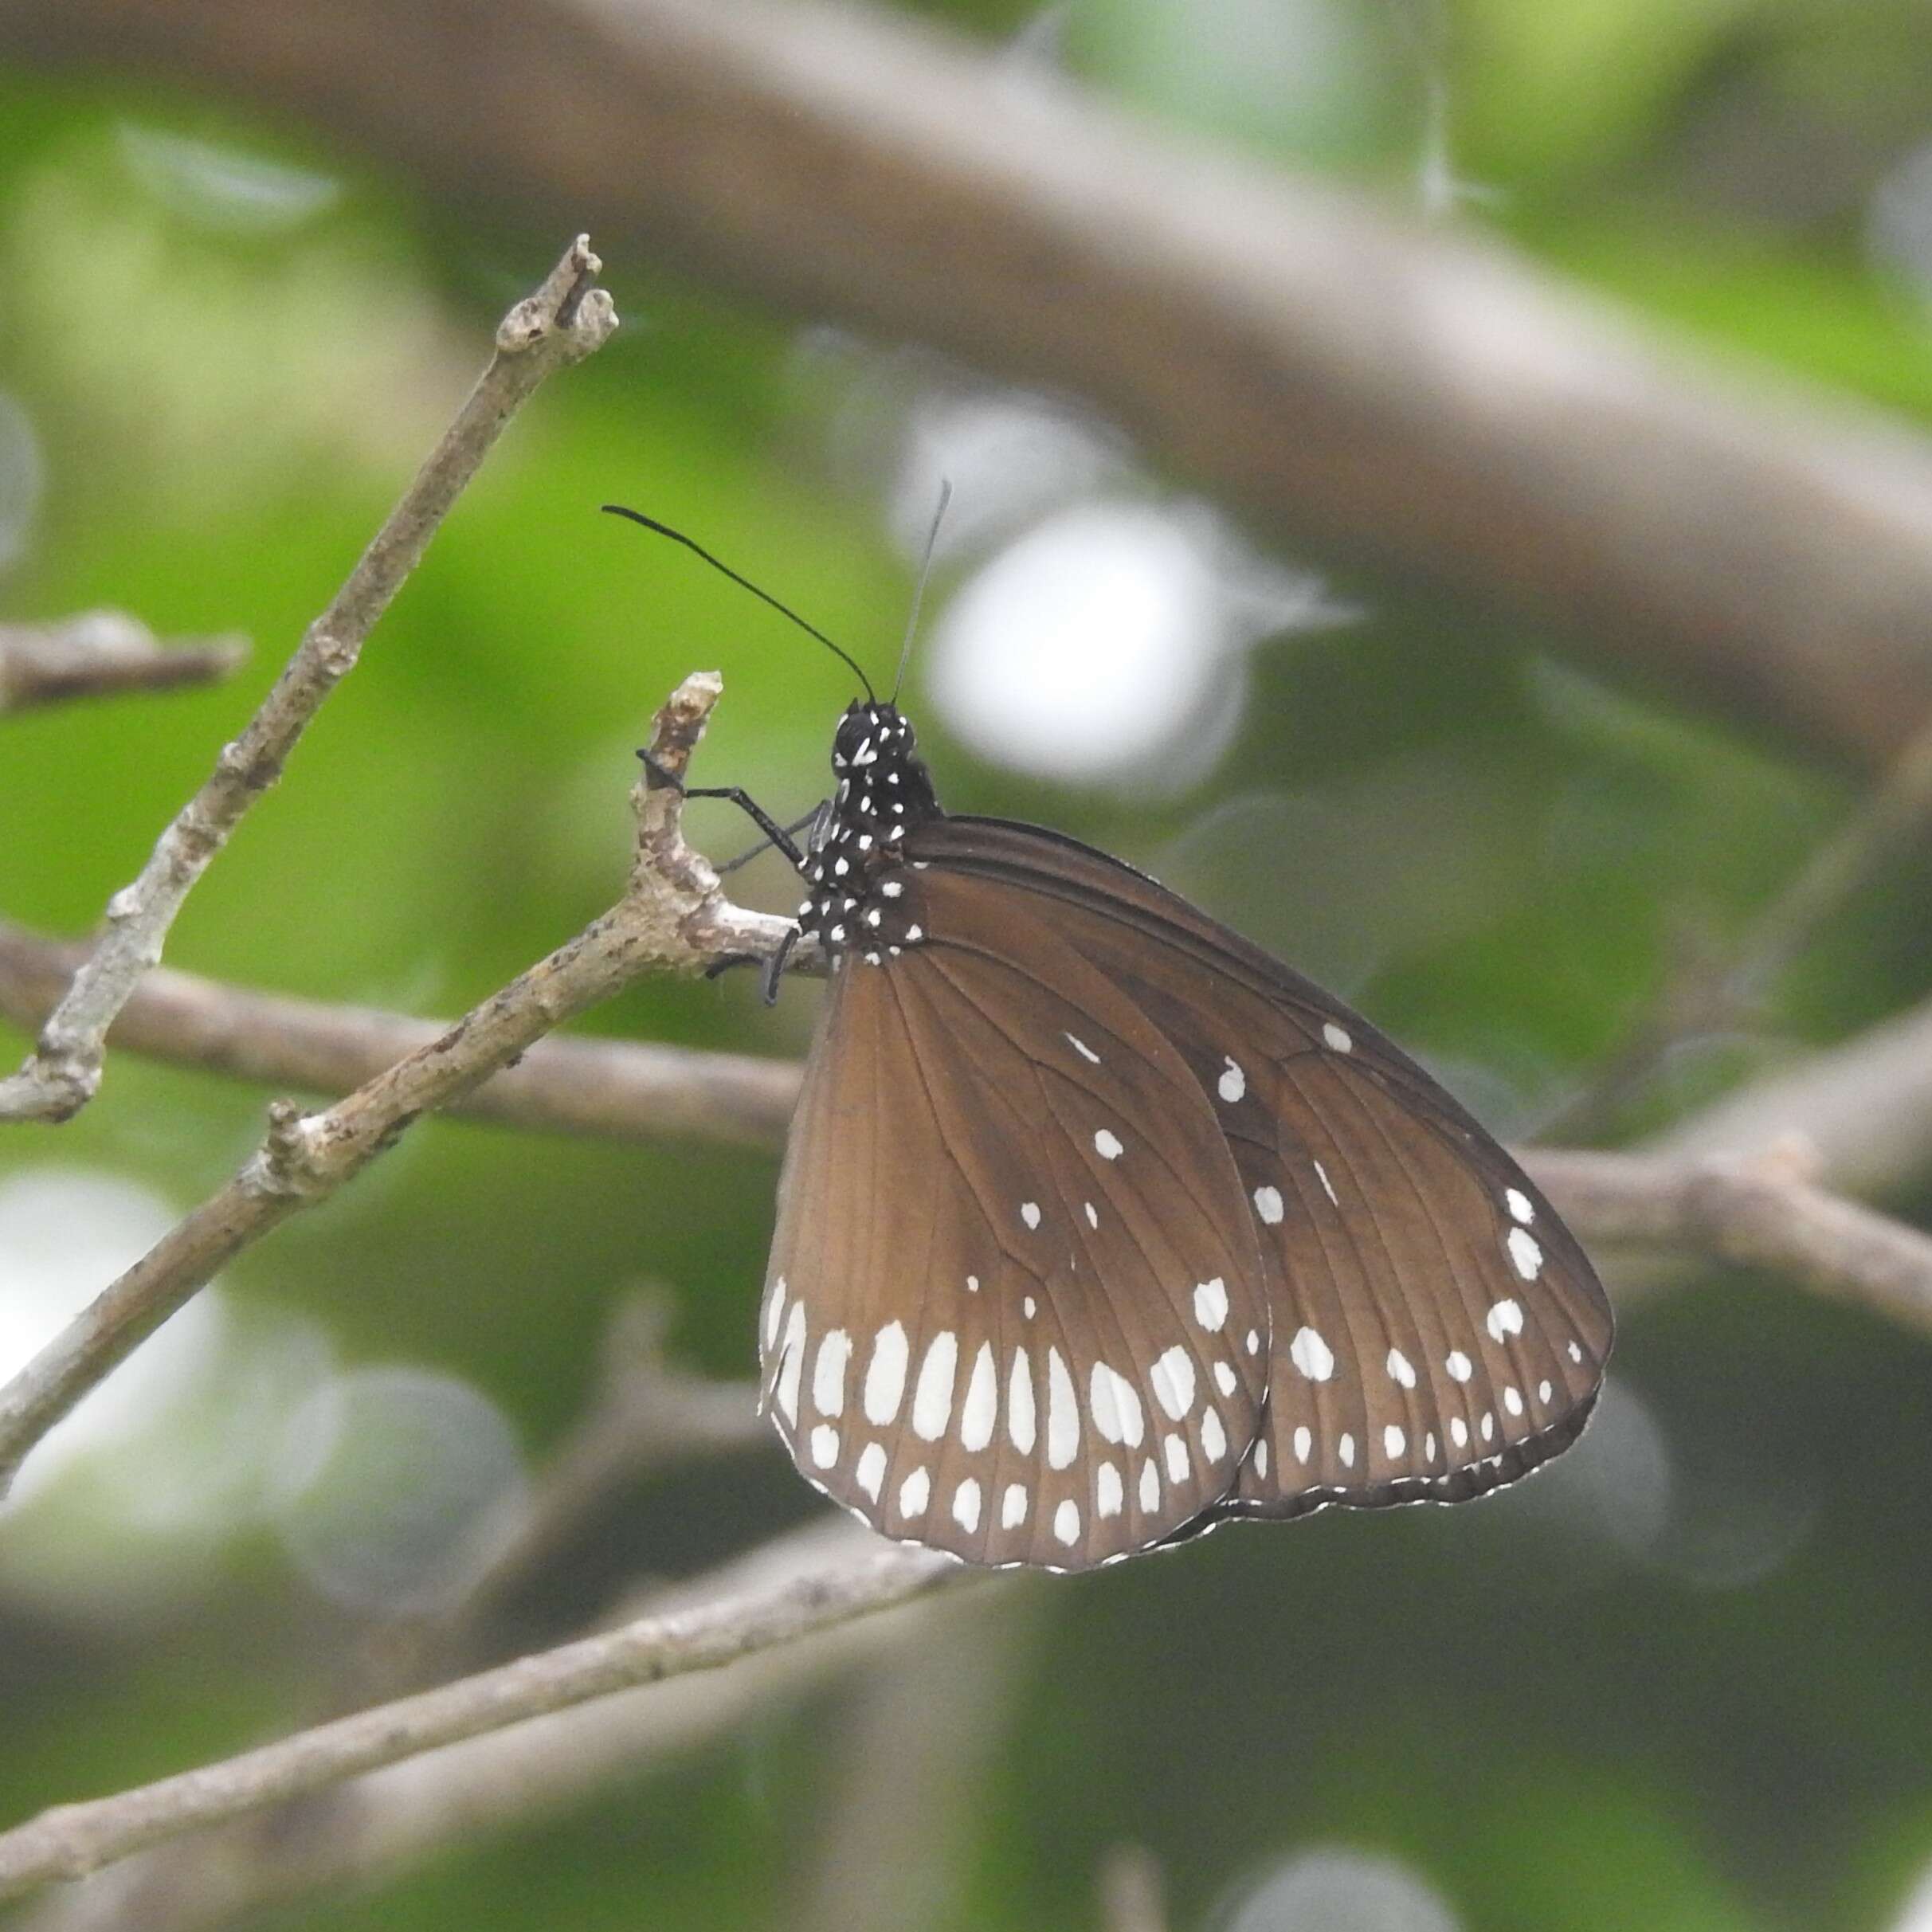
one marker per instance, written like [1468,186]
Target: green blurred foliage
[228,393]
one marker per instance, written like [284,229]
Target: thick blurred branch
[1375,390]
[673,918]
[100,654]
[723,1623]
[565,320]
[629,1089]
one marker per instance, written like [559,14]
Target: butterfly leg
[775,834]
[744,858]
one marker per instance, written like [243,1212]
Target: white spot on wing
[1149,1486]
[978,1412]
[793,1367]
[1458,1432]
[913,1493]
[885,1375]
[828,1373]
[774,1312]
[1517,1203]
[1093,1220]
[1211,1303]
[1214,1437]
[1526,1253]
[1224,1379]
[1067,1522]
[824,1445]
[1311,1355]
[1401,1369]
[965,1505]
[1063,1413]
[1337,1038]
[1512,1401]
[1304,1444]
[1081,1047]
[1172,1380]
[1030,1213]
[1268,1204]
[871,1469]
[1394,1442]
[932,1400]
[1505,1318]
[1232,1084]
[1458,1365]
[1345,1449]
[1012,1507]
[1108,1496]
[1019,1403]
[1261,1456]
[1328,1186]
[1106,1144]
[1176,1449]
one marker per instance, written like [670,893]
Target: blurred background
[1682,1680]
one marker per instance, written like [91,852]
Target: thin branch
[1375,389]
[720,1627]
[564,321]
[1755,1213]
[101,653]
[625,1089]
[359,1833]
[672,918]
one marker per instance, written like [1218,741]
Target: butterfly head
[863,896]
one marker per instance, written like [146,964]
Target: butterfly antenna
[919,589]
[689,544]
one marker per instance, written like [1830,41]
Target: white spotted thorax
[864,903]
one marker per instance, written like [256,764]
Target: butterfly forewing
[1016,1305]
[1436,1331]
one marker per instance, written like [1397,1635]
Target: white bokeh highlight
[395,1486]
[1108,644]
[66,1233]
[1338,1889]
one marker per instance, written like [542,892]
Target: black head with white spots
[863,896]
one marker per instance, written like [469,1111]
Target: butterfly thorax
[862,896]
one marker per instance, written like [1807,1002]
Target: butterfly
[1098,1227]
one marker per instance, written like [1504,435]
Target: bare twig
[625,1089]
[719,1626]
[1375,389]
[102,652]
[357,1834]
[1864,1107]
[564,321]
[673,918]
[1755,1213]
